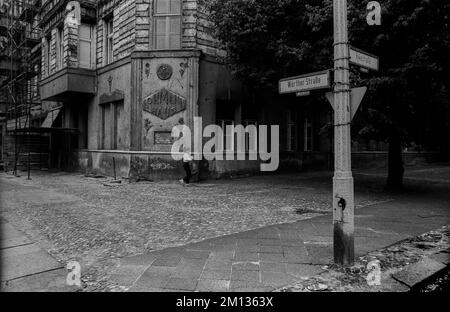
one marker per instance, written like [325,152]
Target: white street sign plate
[303,83]
[364,59]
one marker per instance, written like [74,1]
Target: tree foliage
[412,88]
[408,99]
[268,39]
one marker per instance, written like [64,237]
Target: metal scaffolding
[20,59]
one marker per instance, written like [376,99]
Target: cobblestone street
[94,222]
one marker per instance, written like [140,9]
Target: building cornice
[166,53]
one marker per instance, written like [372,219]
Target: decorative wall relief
[183,67]
[147,69]
[148,124]
[110,80]
[164,72]
[164,104]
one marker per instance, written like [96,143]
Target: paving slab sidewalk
[274,256]
[25,266]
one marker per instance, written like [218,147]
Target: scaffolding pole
[23,38]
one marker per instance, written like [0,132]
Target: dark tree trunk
[395,161]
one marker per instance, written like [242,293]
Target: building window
[226,143]
[111,114]
[167,24]
[291,143]
[35,82]
[59,48]
[109,40]
[251,141]
[86,46]
[47,53]
[308,135]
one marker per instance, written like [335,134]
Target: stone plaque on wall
[164,104]
[164,72]
[164,137]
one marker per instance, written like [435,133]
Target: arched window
[167,31]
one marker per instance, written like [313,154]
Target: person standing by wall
[187,159]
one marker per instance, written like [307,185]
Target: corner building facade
[125,72]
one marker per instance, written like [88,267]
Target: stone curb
[415,274]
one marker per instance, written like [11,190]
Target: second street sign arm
[364,59]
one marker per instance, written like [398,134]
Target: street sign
[356,97]
[305,93]
[364,59]
[303,83]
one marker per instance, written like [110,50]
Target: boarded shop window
[103,125]
[118,112]
[86,46]
[167,19]
[291,144]
[111,114]
[109,40]
[308,134]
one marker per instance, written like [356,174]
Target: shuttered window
[111,115]
[167,19]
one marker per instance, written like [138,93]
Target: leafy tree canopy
[266,40]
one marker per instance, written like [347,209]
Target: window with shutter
[111,115]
